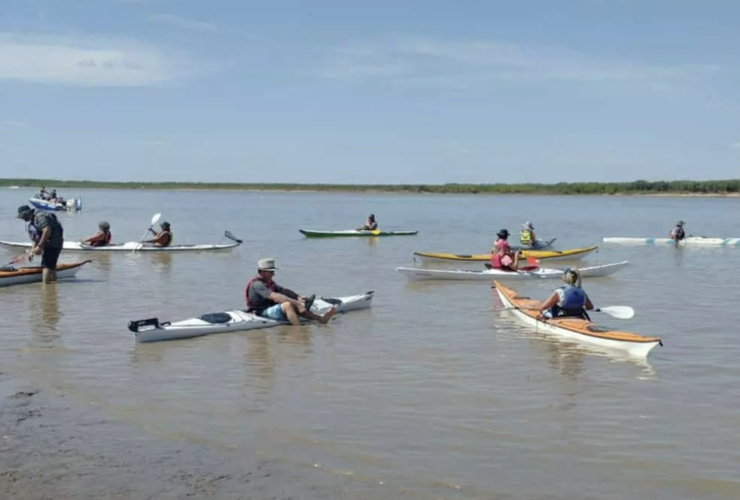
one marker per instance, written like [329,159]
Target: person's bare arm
[551,301]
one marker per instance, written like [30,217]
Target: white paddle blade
[156,218]
[620,312]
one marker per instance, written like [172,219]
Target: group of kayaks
[523,308]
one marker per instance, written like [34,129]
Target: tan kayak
[575,328]
[23,275]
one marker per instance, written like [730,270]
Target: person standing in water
[50,240]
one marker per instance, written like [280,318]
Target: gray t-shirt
[43,219]
[259,293]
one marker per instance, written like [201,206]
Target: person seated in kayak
[501,255]
[100,239]
[677,233]
[162,238]
[527,238]
[370,224]
[270,300]
[570,300]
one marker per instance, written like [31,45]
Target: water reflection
[259,363]
[162,262]
[45,316]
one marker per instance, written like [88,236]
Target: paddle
[619,312]
[155,219]
[232,237]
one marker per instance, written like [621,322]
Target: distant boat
[14,187]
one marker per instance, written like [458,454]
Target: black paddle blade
[134,326]
[232,237]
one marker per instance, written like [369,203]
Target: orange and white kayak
[525,309]
[24,275]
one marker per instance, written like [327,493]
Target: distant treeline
[612,188]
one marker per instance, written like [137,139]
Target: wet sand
[54,448]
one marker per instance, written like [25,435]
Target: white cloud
[182,22]
[735,144]
[421,62]
[88,62]
[13,124]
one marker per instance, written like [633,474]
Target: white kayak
[72,205]
[22,275]
[151,330]
[135,246]
[419,273]
[698,241]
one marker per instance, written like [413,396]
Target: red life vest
[251,306]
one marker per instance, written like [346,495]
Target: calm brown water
[435,392]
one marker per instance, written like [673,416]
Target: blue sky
[370,92]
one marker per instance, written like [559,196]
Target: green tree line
[589,188]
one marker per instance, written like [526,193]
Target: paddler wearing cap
[677,233]
[100,239]
[268,299]
[49,242]
[162,238]
[501,255]
[570,300]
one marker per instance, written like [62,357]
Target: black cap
[24,209]
[165,224]
[504,233]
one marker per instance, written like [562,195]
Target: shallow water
[433,393]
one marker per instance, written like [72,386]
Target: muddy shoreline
[54,448]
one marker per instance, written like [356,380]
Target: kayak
[134,246]
[550,255]
[72,205]
[151,330]
[690,241]
[22,275]
[575,328]
[353,232]
[417,273]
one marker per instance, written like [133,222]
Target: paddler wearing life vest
[677,233]
[570,300]
[100,239]
[370,224]
[268,299]
[501,255]
[162,238]
[527,238]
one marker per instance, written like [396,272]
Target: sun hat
[267,264]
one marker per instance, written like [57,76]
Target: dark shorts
[50,257]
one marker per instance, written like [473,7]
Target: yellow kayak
[549,255]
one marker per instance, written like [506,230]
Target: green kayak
[353,232]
